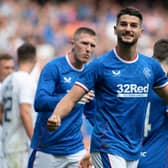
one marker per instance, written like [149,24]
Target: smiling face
[83,47]
[128,29]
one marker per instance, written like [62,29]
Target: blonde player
[17,98]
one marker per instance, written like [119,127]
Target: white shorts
[2,162]
[103,160]
[45,160]
[16,159]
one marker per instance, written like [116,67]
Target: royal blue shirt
[121,89]
[155,143]
[56,79]
[156,121]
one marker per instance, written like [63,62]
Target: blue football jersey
[121,89]
[156,120]
[154,152]
[56,79]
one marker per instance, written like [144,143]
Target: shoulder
[149,60]
[104,58]
[56,61]
[20,77]
[8,79]
[17,80]
[54,64]
[107,55]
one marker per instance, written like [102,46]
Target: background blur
[53,22]
[50,24]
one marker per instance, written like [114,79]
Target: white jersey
[1,141]
[1,153]
[16,89]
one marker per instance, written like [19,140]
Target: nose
[89,48]
[128,27]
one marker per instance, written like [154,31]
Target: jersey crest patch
[147,72]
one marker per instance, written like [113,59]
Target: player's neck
[126,53]
[73,62]
[165,67]
[25,67]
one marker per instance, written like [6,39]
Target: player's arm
[163,93]
[86,161]
[25,113]
[90,111]
[65,106]
[45,97]
[88,97]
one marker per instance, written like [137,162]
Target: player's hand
[86,162]
[53,122]
[88,97]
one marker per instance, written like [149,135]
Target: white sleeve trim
[83,86]
[161,86]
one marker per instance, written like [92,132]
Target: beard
[127,43]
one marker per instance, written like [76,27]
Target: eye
[85,43]
[93,45]
[134,25]
[123,24]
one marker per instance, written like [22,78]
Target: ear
[72,42]
[115,29]
[142,30]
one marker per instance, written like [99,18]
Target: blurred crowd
[53,22]
[49,25]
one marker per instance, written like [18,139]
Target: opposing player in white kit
[16,100]
[6,67]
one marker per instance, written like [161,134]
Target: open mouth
[127,37]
